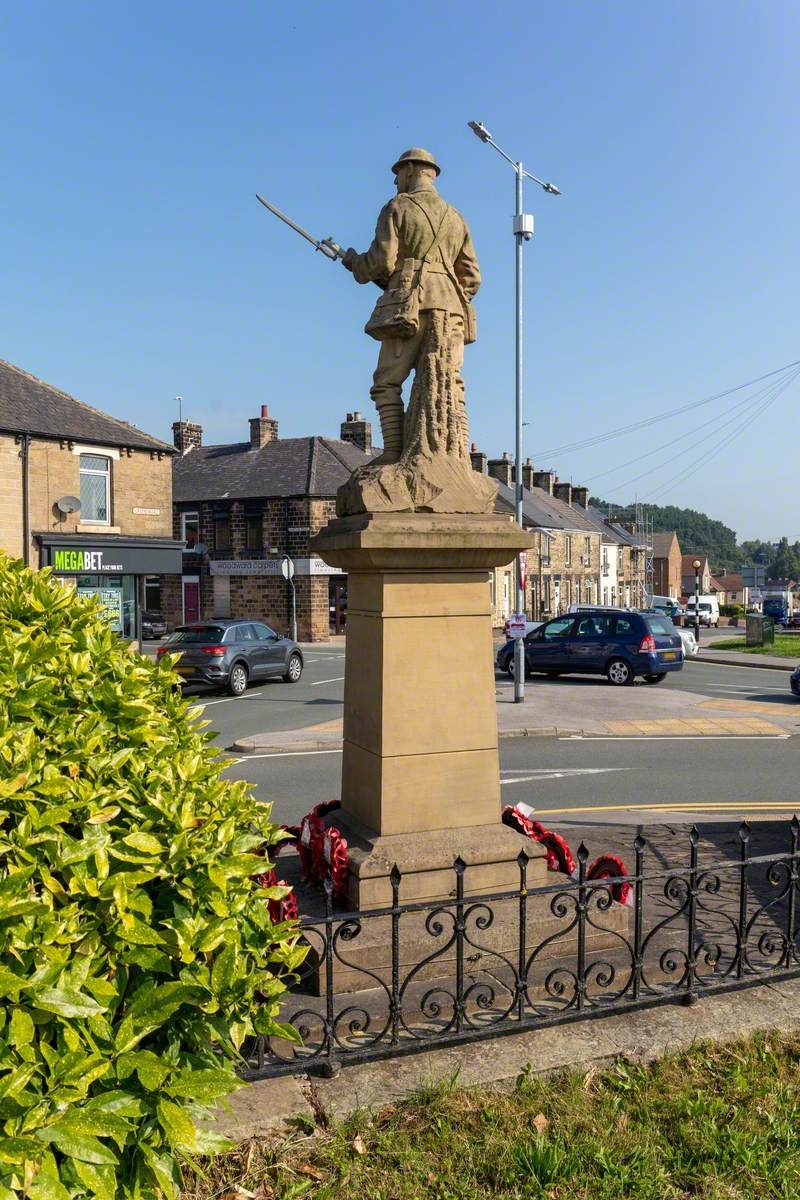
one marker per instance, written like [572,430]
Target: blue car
[619,644]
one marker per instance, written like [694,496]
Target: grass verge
[785,646]
[717,1123]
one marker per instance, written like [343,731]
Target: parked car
[794,682]
[793,621]
[230,654]
[690,643]
[619,644]
[153,625]
[667,605]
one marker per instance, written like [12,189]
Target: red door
[191,601]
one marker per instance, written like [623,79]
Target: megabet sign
[71,558]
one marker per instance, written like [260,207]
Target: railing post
[791,928]
[583,904]
[744,862]
[394,879]
[332,1065]
[459,866]
[691,961]
[522,982]
[638,908]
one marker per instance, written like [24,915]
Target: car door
[248,648]
[272,649]
[548,647]
[589,643]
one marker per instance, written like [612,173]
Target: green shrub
[136,955]
[731,610]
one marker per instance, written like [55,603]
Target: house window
[190,529]
[567,550]
[253,535]
[587,550]
[588,591]
[95,471]
[222,532]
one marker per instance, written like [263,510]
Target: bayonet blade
[325,247]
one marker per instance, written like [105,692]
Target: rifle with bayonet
[328,246]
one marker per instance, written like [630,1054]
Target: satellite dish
[68,504]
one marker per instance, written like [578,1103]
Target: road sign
[522,560]
[287,567]
[754,575]
[517,624]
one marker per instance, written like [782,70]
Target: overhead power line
[597,439]
[780,388]
[738,410]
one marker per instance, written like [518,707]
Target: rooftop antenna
[180,406]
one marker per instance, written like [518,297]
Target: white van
[707,610]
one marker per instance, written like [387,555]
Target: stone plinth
[420,768]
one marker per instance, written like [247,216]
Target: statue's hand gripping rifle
[328,246]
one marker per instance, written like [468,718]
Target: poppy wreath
[334,853]
[559,855]
[610,866]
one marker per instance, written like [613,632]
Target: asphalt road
[563,778]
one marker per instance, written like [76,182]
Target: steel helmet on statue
[417,155]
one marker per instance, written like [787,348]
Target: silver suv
[230,654]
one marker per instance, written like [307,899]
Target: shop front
[113,569]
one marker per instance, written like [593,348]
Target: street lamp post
[523,231]
[697,565]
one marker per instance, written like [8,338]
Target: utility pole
[523,232]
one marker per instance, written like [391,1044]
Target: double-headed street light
[523,231]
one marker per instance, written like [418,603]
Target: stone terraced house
[240,508]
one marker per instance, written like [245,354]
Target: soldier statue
[422,245]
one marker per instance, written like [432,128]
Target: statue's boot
[391,418]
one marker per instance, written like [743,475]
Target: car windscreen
[152,616]
[660,626]
[195,636]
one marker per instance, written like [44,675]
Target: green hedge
[136,953]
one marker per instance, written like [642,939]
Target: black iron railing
[411,976]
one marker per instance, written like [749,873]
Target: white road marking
[552,773]
[319,682]
[748,691]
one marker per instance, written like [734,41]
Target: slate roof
[545,511]
[28,404]
[612,532]
[308,466]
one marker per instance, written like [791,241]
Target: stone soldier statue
[423,259]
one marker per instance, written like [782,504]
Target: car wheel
[655,678]
[619,673]
[237,681]
[510,667]
[294,669]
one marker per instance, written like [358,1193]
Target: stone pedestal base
[420,751]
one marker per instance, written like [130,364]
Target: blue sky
[137,264]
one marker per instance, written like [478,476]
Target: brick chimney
[501,468]
[527,474]
[186,434]
[563,491]
[263,429]
[478,459]
[580,496]
[545,480]
[358,431]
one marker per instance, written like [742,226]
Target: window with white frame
[567,550]
[95,472]
[190,529]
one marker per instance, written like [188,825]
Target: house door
[191,599]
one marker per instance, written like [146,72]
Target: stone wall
[140,479]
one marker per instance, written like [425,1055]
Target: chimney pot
[264,410]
